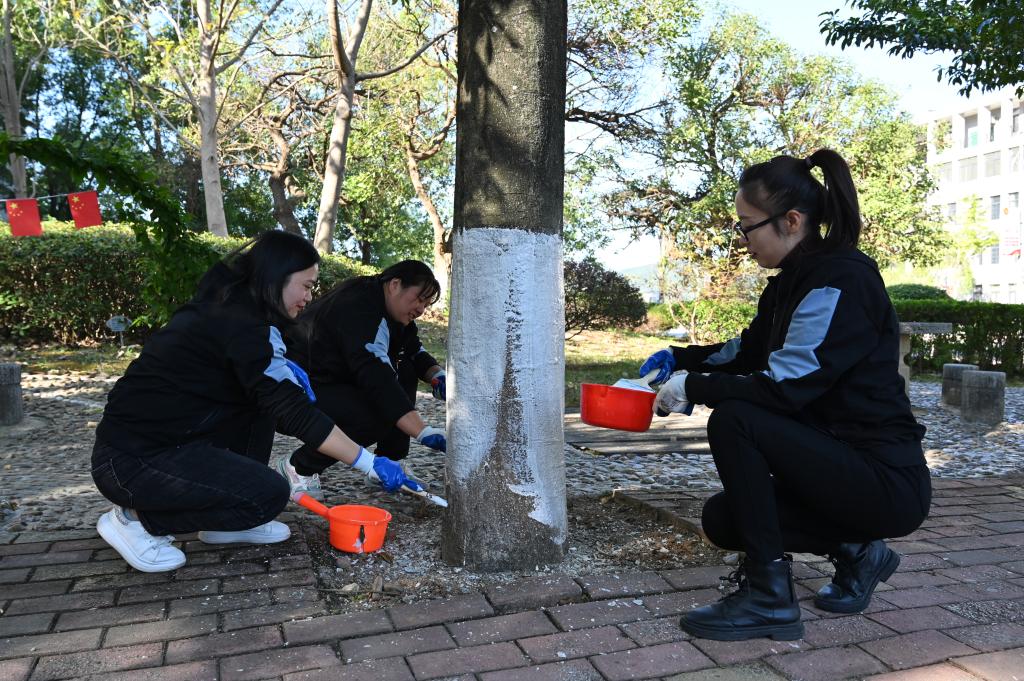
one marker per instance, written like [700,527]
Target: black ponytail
[787,183]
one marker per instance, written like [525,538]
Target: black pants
[348,407]
[791,487]
[197,486]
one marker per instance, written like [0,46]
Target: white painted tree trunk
[505,476]
[209,159]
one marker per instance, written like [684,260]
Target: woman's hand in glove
[672,396]
[383,470]
[433,438]
[664,361]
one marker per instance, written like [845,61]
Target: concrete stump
[983,396]
[952,382]
[11,409]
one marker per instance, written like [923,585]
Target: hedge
[990,335]
[708,321]
[64,285]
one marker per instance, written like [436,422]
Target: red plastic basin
[619,408]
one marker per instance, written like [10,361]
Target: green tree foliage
[740,98]
[985,37]
[596,298]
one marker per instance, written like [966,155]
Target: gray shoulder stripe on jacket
[379,346]
[726,353]
[277,369]
[807,330]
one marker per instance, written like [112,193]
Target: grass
[591,357]
[108,359]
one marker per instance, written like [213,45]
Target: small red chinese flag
[85,209]
[23,215]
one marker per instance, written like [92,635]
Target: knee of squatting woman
[186,435]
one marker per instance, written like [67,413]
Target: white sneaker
[307,484]
[139,548]
[267,533]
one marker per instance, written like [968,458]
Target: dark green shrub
[64,285]
[596,298]
[916,292]
[990,335]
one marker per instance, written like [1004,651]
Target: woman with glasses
[362,349]
[811,429]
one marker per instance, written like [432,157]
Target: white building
[975,150]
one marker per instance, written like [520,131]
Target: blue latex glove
[302,378]
[433,438]
[437,386]
[383,470]
[663,361]
[672,397]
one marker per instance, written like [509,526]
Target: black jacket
[350,339]
[823,348]
[212,372]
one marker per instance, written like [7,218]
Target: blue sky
[796,22]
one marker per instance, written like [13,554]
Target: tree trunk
[11,103]
[345,53]
[278,181]
[334,169]
[208,157]
[442,255]
[506,362]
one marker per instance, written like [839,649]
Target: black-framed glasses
[744,231]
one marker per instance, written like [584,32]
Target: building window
[978,292]
[1018,119]
[944,172]
[1013,200]
[993,256]
[971,131]
[1015,159]
[969,169]
[992,163]
[993,212]
[951,210]
[993,123]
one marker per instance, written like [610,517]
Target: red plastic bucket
[619,408]
[353,528]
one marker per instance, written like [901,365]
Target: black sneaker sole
[892,561]
[778,632]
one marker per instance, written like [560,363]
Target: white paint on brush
[507,303]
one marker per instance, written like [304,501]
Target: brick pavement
[71,609]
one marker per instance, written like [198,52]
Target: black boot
[859,569]
[763,605]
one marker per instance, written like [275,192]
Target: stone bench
[952,382]
[908,329]
[983,397]
[11,411]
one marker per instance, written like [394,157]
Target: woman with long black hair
[811,432]
[362,349]
[186,434]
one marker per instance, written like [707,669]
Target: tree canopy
[985,38]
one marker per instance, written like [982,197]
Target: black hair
[786,183]
[261,267]
[414,273]
[409,272]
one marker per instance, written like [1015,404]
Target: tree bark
[345,52]
[209,159]
[506,363]
[442,239]
[11,103]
